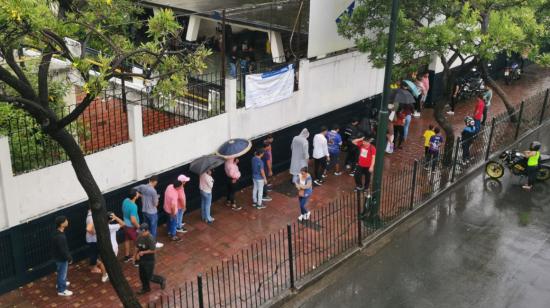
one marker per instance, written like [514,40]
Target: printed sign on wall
[268,88]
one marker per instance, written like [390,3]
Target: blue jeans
[233,69]
[172,224]
[152,221]
[303,202]
[180,223]
[206,202]
[478,125]
[407,124]
[258,191]
[62,268]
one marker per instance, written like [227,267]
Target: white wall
[325,85]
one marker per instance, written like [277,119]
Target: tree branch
[80,108]
[10,60]
[43,70]
[60,42]
[38,112]
[23,89]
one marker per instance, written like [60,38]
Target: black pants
[146,275]
[432,159]
[454,100]
[418,103]
[351,157]
[359,173]
[399,135]
[466,150]
[532,175]
[231,188]
[485,109]
[319,164]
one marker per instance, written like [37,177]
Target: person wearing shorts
[131,220]
[96,266]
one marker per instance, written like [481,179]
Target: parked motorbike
[516,162]
[512,72]
[470,85]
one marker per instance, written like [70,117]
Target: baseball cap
[144,227]
[183,178]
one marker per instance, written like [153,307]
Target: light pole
[383,116]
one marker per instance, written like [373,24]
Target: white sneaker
[300,218]
[104,278]
[65,293]
[306,216]
[416,114]
[159,245]
[450,112]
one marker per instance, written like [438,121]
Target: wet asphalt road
[473,247]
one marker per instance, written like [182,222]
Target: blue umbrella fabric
[415,91]
[234,148]
[202,164]
[404,97]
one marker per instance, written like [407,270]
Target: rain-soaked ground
[471,247]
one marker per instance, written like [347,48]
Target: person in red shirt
[399,129]
[478,112]
[365,162]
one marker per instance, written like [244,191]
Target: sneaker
[337,173]
[526,187]
[175,239]
[318,183]
[352,174]
[136,264]
[324,176]
[236,207]
[159,245]
[300,217]
[450,112]
[65,293]
[266,198]
[104,278]
[416,114]
[307,215]
[260,207]
[181,230]
[348,167]
[359,188]
[128,259]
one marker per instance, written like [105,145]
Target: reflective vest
[533,161]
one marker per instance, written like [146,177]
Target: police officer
[533,156]
[145,257]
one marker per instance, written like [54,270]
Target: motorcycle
[470,85]
[511,73]
[516,162]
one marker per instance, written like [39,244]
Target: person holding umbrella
[206,183]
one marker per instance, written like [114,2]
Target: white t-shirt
[113,228]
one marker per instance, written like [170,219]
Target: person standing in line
[320,155]
[61,255]
[258,179]
[478,111]
[300,153]
[350,133]
[467,137]
[334,141]
[425,85]
[233,175]
[145,256]
[206,183]
[97,267]
[436,141]
[422,97]
[150,203]
[304,186]
[427,136]
[131,220]
[115,224]
[399,129]
[182,204]
[365,162]
[268,165]
[487,98]
[408,110]
[171,200]
[454,98]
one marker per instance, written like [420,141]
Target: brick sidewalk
[208,245]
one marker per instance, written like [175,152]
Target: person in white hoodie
[320,155]
[300,154]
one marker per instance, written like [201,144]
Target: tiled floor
[207,245]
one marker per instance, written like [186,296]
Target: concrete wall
[325,85]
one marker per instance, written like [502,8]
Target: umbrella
[402,96]
[202,164]
[234,148]
[413,88]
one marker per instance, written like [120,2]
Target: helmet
[468,120]
[535,146]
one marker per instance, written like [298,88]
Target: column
[231,104]
[277,50]
[135,132]
[193,28]
[8,205]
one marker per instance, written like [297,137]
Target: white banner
[324,16]
[268,88]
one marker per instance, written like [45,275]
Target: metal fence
[287,258]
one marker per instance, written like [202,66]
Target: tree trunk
[439,106]
[99,215]
[503,96]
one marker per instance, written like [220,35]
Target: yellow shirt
[427,135]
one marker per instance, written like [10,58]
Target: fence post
[290,257]
[546,97]
[413,187]
[199,287]
[359,241]
[455,158]
[519,120]
[488,152]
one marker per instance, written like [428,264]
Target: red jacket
[478,113]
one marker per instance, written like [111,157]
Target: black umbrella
[402,96]
[202,164]
[234,148]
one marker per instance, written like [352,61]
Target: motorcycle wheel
[543,174]
[494,170]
